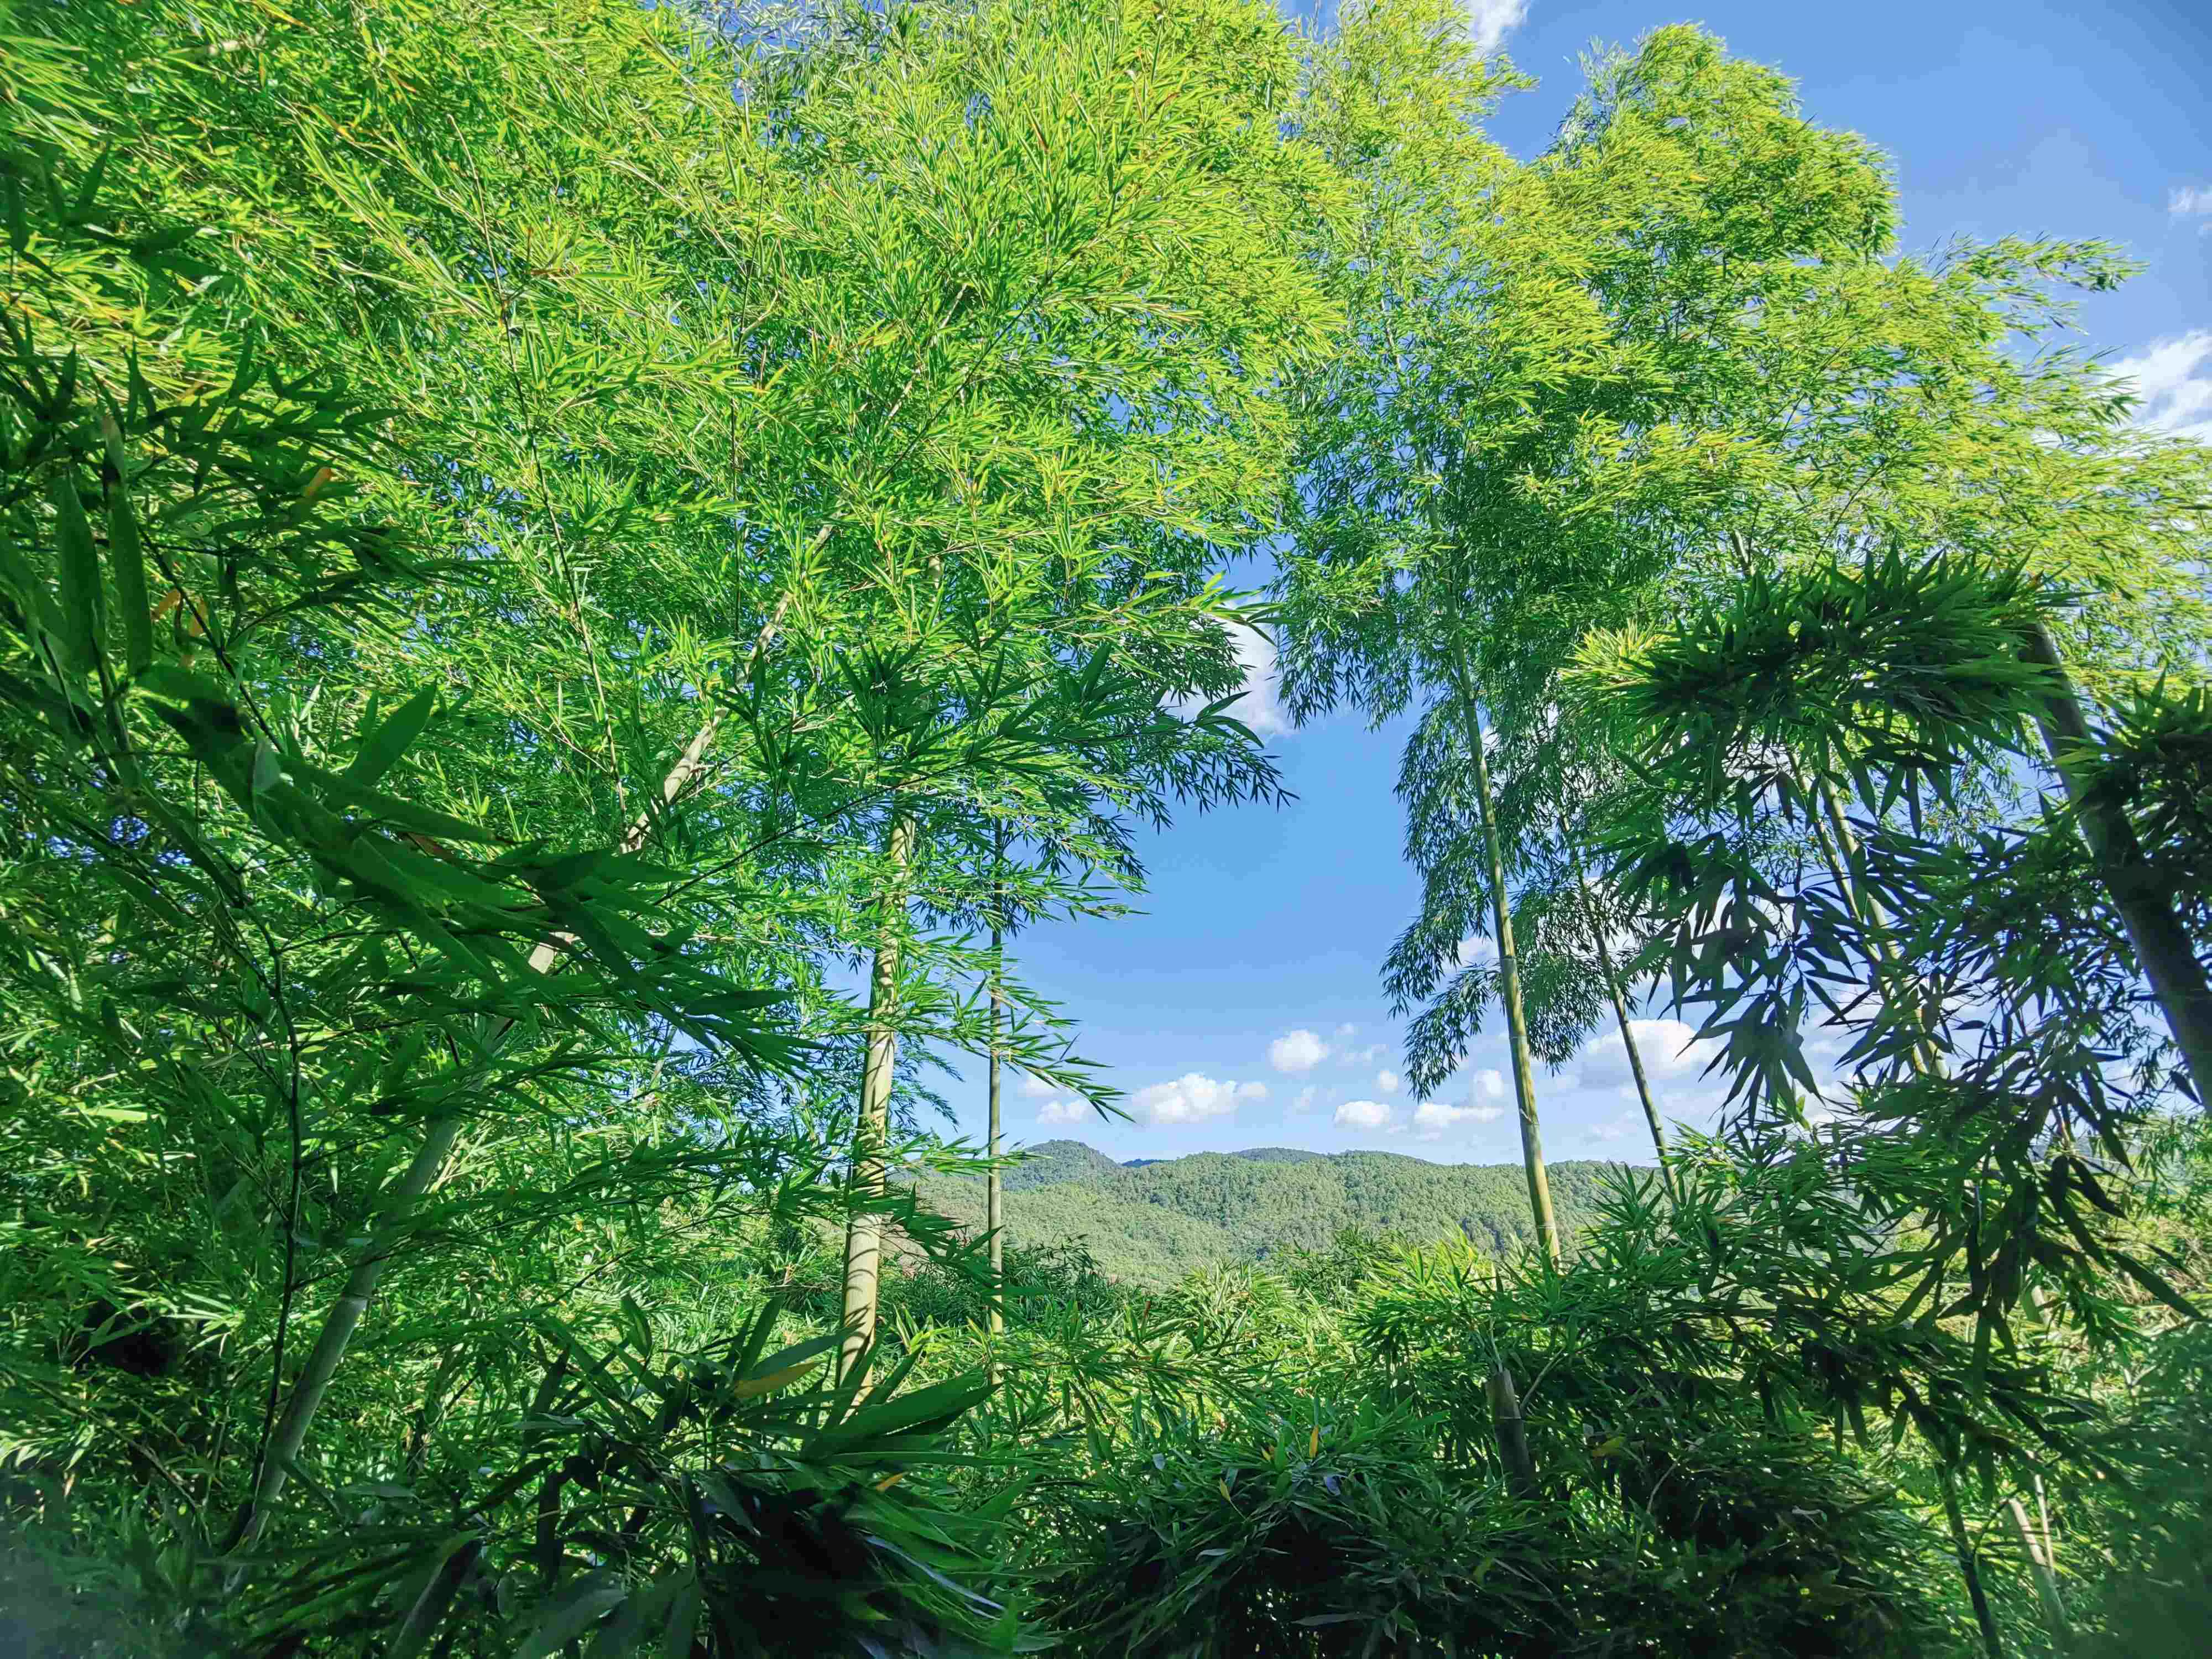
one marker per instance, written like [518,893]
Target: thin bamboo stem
[1968,1570]
[1621,1015]
[863,1231]
[306,1399]
[2053,1606]
[994,1213]
[1509,990]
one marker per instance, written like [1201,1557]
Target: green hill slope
[1151,1223]
[1057,1163]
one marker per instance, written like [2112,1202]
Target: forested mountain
[1150,1223]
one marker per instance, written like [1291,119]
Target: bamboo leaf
[382,749]
[82,599]
[126,560]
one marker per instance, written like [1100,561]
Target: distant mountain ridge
[1150,1221]
[1257,1154]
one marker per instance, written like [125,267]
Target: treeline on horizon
[540,537]
[1149,1224]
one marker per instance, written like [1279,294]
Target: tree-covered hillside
[1053,1163]
[1152,1221]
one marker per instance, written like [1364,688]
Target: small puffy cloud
[1826,1046]
[1347,1029]
[1367,1056]
[1260,707]
[2174,385]
[1433,1119]
[1489,1083]
[1297,1051]
[2191,202]
[1387,1082]
[1669,1049]
[1476,952]
[1063,1111]
[1193,1099]
[1035,1088]
[1363,1115]
[1489,21]
[1683,1105]
[1305,1100]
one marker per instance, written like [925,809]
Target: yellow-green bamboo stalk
[863,1232]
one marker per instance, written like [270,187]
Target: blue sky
[1243,1008]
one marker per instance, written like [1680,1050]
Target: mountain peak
[1052,1161]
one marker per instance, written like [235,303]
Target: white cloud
[1476,952]
[1669,1048]
[1305,1100]
[1363,1115]
[1035,1088]
[1347,1029]
[1489,1083]
[1297,1051]
[1260,707]
[1432,1119]
[2191,202]
[1681,1105]
[1387,1082]
[2174,385]
[1367,1056]
[1489,21]
[1192,1098]
[1063,1111]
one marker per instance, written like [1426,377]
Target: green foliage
[2155,763]
[1062,1274]
[2160,1532]
[1326,1531]
[1326,1505]
[1897,675]
[720,1493]
[1152,1223]
[732,470]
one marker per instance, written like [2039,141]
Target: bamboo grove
[573,575]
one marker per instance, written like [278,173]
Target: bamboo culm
[1984,1620]
[994,1210]
[290,1434]
[1509,982]
[1512,1432]
[863,1231]
[2161,944]
[2053,1607]
[1627,1035]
